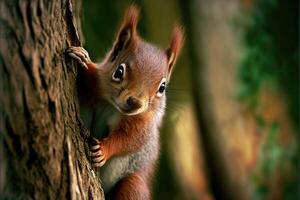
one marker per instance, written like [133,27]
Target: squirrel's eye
[162,87]
[119,73]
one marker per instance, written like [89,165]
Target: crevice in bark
[29,20]
[72,30]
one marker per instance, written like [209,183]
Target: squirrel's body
[122,166]
[119,167]
[127,92]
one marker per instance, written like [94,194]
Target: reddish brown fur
[89,92]
[127,137]
[176,43]
[131,19]
[131,187]
[127,36]
[177,39]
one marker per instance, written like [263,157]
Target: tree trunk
[220,178]
[43,151]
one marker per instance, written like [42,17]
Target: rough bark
[43,142]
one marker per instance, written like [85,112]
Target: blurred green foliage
[270,154]
[274,157]
[271,59]
[271,54]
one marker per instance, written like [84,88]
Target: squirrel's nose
[133,103]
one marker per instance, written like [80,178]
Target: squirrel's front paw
[98,155]
[80,54]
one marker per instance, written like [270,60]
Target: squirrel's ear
[127,36]
[176,43]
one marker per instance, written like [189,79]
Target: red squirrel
[132,78]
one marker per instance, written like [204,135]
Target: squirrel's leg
[88,82]
[132,187]
[128,137]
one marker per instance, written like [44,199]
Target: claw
[78,59]
[85,66]
[95,147]
[96,154]
[94,140]
[98,159]
[80,54]
[98,164]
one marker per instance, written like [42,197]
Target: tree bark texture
[43,150]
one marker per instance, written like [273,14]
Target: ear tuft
[177,38]
[127,36]
[131,19]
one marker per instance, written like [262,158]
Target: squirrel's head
[136,73]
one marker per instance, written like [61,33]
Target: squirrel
[132,78]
